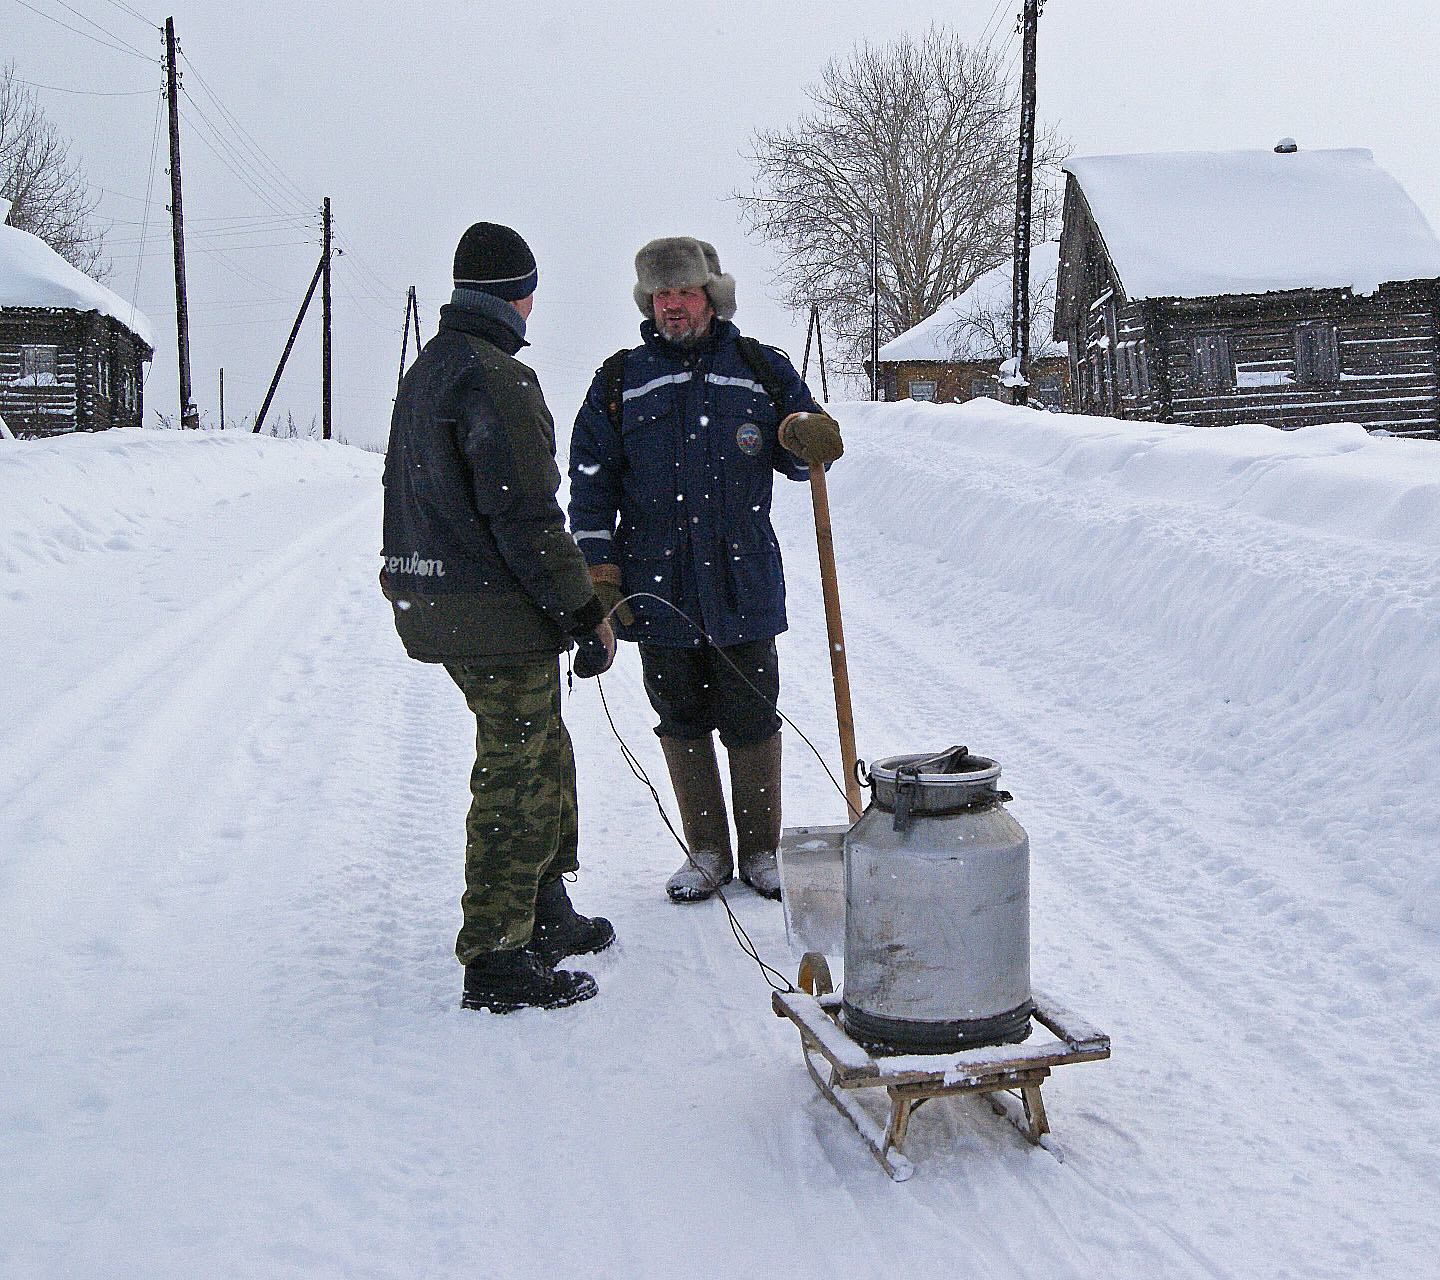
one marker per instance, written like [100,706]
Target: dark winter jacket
[477,561]
[679,495]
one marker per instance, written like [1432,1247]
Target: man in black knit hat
[484,578]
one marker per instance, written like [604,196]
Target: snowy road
[232,1044]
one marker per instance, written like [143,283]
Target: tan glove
[812,436]
[606,580]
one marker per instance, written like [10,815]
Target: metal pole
[189,415]
[295,328]
[874,310]
[1024,178]
[222,397]
[325,344]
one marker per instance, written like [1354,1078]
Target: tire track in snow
[105,758]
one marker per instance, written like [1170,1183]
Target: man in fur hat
[671,464]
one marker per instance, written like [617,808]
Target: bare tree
[924,134]
[47,192]
[981,328]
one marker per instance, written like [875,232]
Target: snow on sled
[1010,1075]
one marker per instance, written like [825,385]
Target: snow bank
[1289,578]
[82,492]
[32,274]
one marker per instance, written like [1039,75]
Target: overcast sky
[592,127]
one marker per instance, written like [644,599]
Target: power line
[234,224]
[120,47]
[986,34]
[224,248]
[232,158]
[386,290]
[139,17]
[89,93]
[224,151]
[86,18]
[149,187]
[244,275]
[256,149]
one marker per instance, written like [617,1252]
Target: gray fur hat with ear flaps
[682,262]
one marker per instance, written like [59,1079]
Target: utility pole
[412,308]
[289,346]
[874,309]
[222,397]
[189,415]
[1024,182]
[813,330]
[325,312]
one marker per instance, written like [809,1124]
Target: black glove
[594,652]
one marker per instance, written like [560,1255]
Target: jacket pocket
[652,575]
[756,580]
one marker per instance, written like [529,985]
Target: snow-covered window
[1214,366]
[102,375]
[981,387]
[922,389]
[129,390]
[37,365]
[1317,354]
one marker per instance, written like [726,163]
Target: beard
[684,334]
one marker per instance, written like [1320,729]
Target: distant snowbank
[90,491]
[1291,580]
[1335,479]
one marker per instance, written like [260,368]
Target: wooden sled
[840,1067]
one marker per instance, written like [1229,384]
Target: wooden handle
[835,633]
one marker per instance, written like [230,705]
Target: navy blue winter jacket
[679,496]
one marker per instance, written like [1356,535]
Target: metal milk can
[937,909]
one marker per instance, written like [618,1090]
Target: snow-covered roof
[1200,224]
[32,274]
[976,325]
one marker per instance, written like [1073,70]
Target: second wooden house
[1280,287]
[955,354]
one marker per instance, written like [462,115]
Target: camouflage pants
[522,825]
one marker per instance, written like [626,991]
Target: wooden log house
[72,353]
[1278,287]
[955,354]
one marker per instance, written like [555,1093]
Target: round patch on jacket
[749,439]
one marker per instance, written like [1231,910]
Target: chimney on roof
[1286,147]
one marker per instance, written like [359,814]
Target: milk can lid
[935,782]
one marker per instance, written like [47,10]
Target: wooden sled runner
[840,1067]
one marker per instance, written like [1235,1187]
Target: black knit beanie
[495,260]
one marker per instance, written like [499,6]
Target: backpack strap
[612,374]
[755,359]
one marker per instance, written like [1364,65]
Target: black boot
[562,931]
[504,981]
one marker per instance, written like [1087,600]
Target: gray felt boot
[695,775]
[755,793]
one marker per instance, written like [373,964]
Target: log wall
[81,398]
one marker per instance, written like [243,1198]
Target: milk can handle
[862,774]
